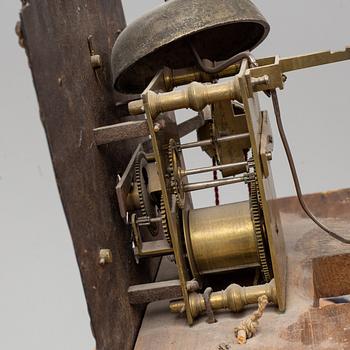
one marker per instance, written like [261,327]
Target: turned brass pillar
[234,298]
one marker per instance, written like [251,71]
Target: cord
[273,94]
[295,174]
[217,69]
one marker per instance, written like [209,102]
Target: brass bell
[218,29]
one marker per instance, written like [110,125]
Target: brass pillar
[234,298]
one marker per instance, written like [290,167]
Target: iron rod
[214,168]
[144,221]
[215,183]
[211,141]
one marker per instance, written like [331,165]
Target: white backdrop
[42,304]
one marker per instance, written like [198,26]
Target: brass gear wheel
[146,207]
[175,174]
[165,222]
[256,210]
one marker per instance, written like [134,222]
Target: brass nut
[105,257]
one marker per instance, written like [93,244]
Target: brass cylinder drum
[221,238]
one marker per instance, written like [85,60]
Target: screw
[269,156]
[105,257]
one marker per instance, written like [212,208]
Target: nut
[96,61]
[105,257]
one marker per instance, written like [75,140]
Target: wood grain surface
[73,100]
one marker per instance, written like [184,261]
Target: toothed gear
[255,205]
[176,180]
[146,207]
[165,221]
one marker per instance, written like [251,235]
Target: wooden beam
[190,125]
[331,276]
[120,132]
[75,97]
[149,292]
[155,248]
[137,129]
